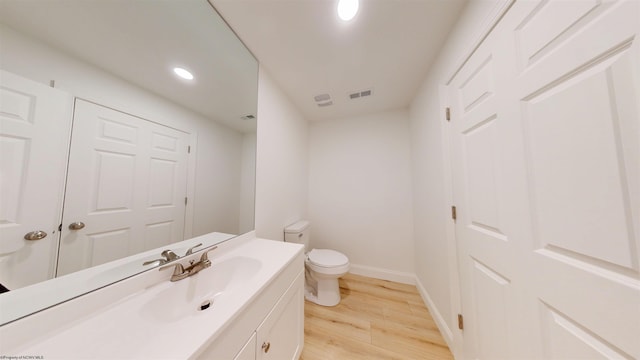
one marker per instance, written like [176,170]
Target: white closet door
[126,184]
[576,93]
[35,122]
[546,161]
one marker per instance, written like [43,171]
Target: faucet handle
[169,255]
[207,251]
[190,251]
[204,259]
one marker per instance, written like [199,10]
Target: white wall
[431,247]
[360,200]
[281,165]
[435,257]
[218,147]
[248,183]
[218,180]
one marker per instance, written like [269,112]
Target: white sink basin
[30,299]
[210,286]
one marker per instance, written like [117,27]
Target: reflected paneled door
[546,145]
[35,122]
[126,184]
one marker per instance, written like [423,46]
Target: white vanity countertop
[163,320]
[24,301]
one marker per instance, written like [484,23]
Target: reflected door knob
[35,235]
[76,226]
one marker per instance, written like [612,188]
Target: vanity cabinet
[248,352]
[281,334]
[254,287]
[271,327]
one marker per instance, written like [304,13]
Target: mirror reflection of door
[126,187]
[35,122]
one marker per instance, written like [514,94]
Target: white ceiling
[141,41]
[304,46]
[308,50]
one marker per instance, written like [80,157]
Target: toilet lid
[327,258]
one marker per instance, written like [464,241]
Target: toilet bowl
[323,267]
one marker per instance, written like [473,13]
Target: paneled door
[576,91]
[35,123]
[484,196]
[546,162]
[126,187]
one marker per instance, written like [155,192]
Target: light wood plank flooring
[376,319]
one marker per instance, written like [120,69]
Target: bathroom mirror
[113,61]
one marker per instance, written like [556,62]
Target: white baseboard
[383,274]
[437,317]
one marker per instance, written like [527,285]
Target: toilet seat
[327,258]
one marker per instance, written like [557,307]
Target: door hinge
[460,322]
[448,114]
[189,149]
[60,227]
[454,214]
[185,200]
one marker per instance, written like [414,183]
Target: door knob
[266,346]
[35,235]
[76,226]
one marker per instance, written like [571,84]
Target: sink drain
[205,305]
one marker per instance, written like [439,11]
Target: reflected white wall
[281,173]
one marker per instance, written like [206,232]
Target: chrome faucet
[180,272]
[168,256]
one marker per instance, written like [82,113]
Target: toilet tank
[298,233]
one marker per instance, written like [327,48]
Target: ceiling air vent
[360,94]
[322,97]
[323,100]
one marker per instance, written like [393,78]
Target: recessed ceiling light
[347,9]
[183,73]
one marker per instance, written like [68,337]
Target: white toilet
[323,267]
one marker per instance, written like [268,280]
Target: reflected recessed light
[185,74]
[347,9]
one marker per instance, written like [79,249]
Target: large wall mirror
[105,152]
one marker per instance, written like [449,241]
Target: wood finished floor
[376,319]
